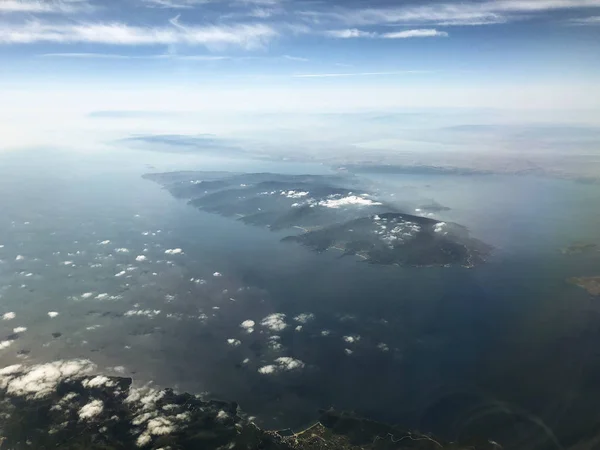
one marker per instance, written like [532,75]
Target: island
[332,212]
[590,284]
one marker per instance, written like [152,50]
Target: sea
[148,287]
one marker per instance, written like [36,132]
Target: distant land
[333,212]
[590,284]
[65,405]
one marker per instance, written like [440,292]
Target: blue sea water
[502,351]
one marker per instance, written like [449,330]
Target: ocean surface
[149,287]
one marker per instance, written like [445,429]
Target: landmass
[590,284]
[579,247]
[332,212]
[64,405]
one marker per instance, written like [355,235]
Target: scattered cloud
[295,58]
[274,322]
[115,33]
[173,4]
[447,14]
[43,6]
[592,20]
[414,33]
[352,33]
[357,74]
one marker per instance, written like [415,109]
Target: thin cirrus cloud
[352,33]
[120,56]
[593,20]
[358,74]
[115,33]
[448,14]
[43,6]
[168,56]
[173,4]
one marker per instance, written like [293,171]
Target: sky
[61,59]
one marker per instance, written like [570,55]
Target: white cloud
[217,274]
[295,58]
[351,339]
[41,380]
[352,33]
[356,74]
[52,314]
[234,342]
[288,363]
[97,381]
[173,251]
[19,329]
[274,322]
[592,20]
[414,33]
[449,14]
[304,317]
[248,325]
[266,370]
[282,364]
[142,312]
[159,56]
[116,33]
[174,4]
[347,201]
[91,410]
[8,316]
[140,258]
[5,344]
[43,6]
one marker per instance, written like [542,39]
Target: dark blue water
[506,351]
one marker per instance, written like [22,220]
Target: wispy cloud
[592,20]
[120,56]
[295,58]
[414,33]
[352,33]
[358,74]
[447,14]
[349,33]
[174,4]
[43,6]
[115,33]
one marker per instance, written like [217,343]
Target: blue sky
[62,60]
[273,41]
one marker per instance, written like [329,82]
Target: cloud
[356,74]
[116,33]
[43,6]
[448,14]
[414,33]
[274,322]
[295,58]
[91,410]
[592,20]
[173,4]
[352,33]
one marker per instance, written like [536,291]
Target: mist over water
[506,346]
